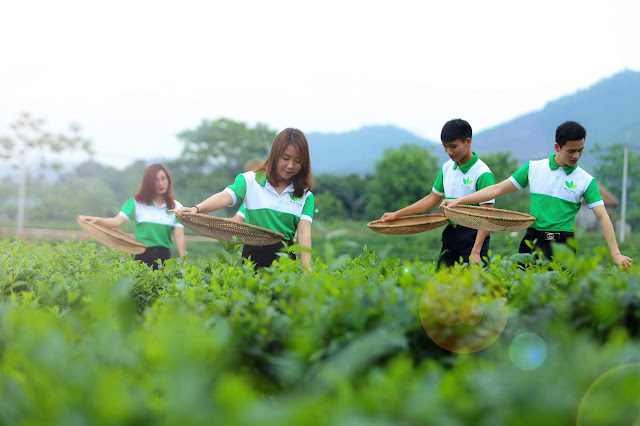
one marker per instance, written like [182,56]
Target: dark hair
[569,131]
[148,185]
[455,129]
[303,180]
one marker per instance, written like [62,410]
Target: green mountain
[608,109]
[356,151]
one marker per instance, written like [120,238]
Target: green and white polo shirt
[154,224]
[264,207]
[556,193]
[455,181]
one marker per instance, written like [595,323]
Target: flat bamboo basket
[113,238]
[489,219]
[409,224]
[229,230]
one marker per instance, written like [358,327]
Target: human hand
[90,219]
[184,210]
[475,257]
[448,203]
[389,216]
[620,259]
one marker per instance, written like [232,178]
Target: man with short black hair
[463,174]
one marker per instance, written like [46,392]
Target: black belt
[557,236]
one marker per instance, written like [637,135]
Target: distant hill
[608,110]
[356,151]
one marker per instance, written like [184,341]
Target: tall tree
[214,153]
[402,177]
[29,141]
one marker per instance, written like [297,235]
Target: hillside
[608,109]
[356,151]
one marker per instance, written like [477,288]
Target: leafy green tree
[402,177]
[30,141]
[328,206]
[348,190]
[213,154]
[608,172]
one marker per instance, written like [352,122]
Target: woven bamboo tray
[113,238]
[488,219]
[409,224]
[229,230]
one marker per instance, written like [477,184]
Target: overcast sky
[136,73]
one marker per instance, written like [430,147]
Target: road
[69,234]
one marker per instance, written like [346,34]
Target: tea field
[87,336]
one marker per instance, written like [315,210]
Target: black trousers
[152,254]
[543,240]
[457,242]
[263,256]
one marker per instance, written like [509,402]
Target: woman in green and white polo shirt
[276,195]
[149,208]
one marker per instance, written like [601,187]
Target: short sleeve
[521,177]
[438,186]
[485,180]
[241,211]
[237,189]
[128,210]
[308,208]
[592,195]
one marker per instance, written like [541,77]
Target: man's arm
[480,237]
[420,206]
[485,194]
[610,236]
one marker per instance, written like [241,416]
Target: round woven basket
[409,224]
[113,238]
[229,230]
[488,219]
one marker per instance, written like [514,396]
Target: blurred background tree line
[217,150]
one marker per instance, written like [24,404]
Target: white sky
[136,73]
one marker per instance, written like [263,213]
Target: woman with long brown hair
[276,195]
[150,209]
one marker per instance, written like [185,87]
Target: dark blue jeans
[457,242]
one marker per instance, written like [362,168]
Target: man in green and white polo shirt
[557,186]
[462,175]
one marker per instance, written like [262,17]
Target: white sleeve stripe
[233,196]
[306,217]
[515,182]
[489,202]
[595,204]
[178,225]
[123,214]
[434,190]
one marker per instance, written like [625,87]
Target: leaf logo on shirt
[294,198]
[570,185]
[467,181]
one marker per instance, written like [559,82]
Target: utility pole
[625,165]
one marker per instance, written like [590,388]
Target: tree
[225,145]
[213,155]
[608,173]
[402,177]
[30,141]
[348,190]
